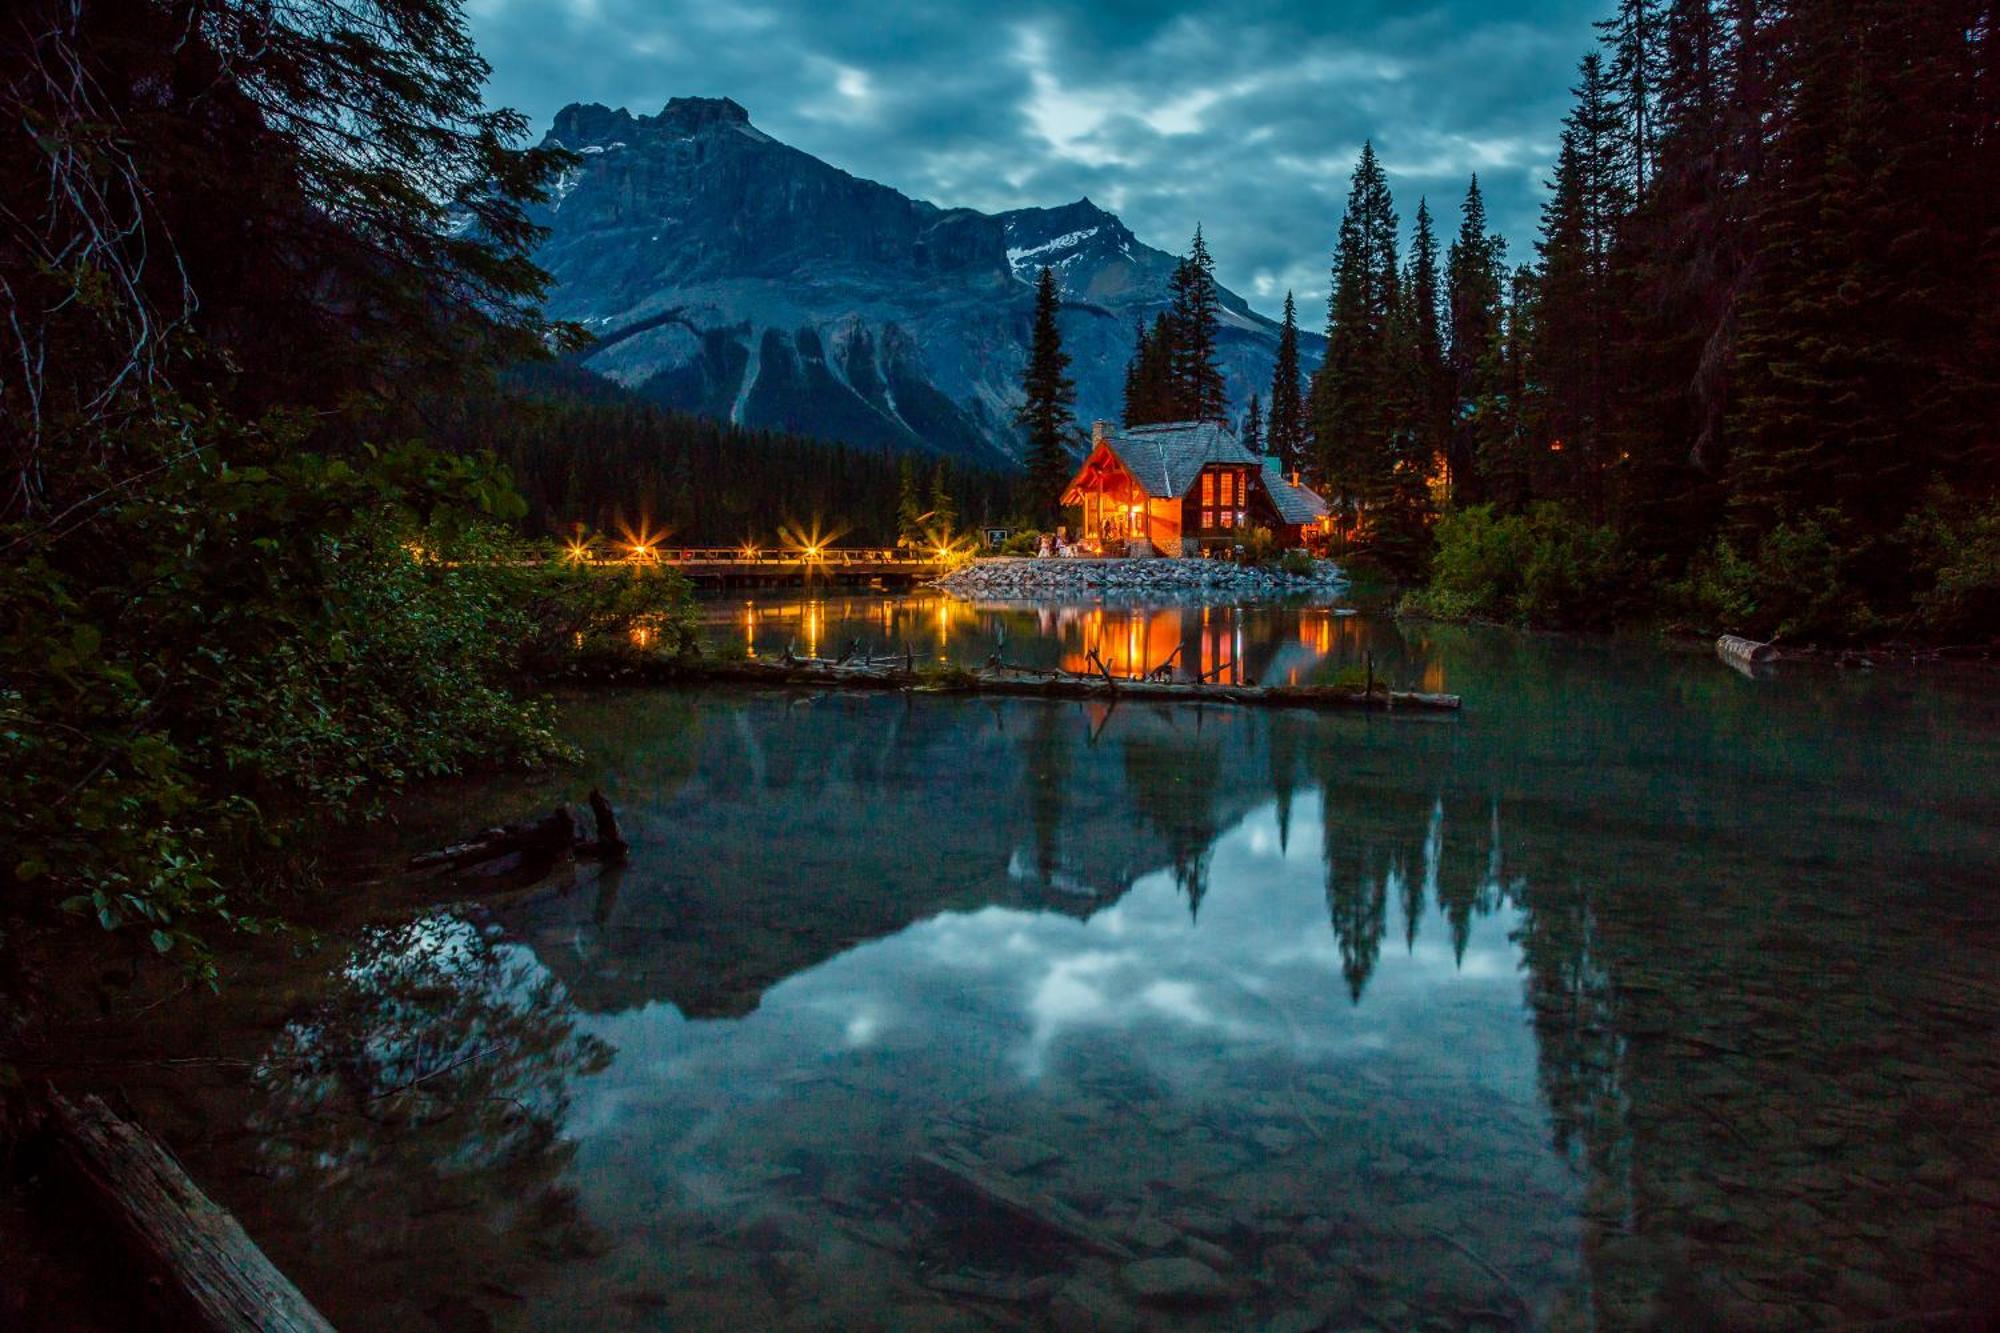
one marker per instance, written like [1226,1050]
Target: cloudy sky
[1245,118]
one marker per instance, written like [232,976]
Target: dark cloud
[1245,118]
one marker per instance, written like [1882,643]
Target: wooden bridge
[749,567]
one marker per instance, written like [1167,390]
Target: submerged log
[207,1267]
[1745,652]
[1038,1210]
[1029,683]
[552,835]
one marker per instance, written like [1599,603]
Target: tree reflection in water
[425,1092]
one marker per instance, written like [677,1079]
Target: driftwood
[553,835]
[1039,1210]
[610,844]
[1740,652]
[1020,681]
[208,1269]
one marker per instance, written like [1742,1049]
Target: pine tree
[1197,386]
[1424,340]
[1350,416]
[1415,394]
[1579,302]
[1634,37]
[1253,427]
[1150,394]
[1287,429]
[1047,411]
[909,506]
[944,511]
[1473,279]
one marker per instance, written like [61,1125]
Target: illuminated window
[1241,520]
[1228,517]
[1207,491]
[1229,488]
[1208,518]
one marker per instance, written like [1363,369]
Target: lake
[1640,994]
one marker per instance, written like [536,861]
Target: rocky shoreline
[1022,577]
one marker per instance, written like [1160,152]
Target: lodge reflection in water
[1274,643]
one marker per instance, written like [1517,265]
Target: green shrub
[1260,547]
[1545,568]
[1297,563]
[203,676]
[1953,546]
[1797,583]
[1027,541]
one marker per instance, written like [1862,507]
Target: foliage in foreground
[237,600]
[246,653]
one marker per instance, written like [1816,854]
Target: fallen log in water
[553,835]
[1036,1209]
[1743,654]
[550,835]
[1021,681]
[209,1271]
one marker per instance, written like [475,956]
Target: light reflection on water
[1270,643]
[1640,995]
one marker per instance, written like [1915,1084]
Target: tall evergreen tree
[1350,414]
[1150,394]
[1253,427]
[1047,412]
[944,510]
[1287,429]
[909,503]
[1577,320]
[1473,276]
[1634,37]
[1198,390]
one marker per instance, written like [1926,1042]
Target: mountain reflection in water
[1639,996]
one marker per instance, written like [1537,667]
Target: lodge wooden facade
[1185,487]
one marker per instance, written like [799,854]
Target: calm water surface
[1641,995]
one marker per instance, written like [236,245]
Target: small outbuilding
[1185,486]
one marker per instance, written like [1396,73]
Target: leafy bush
[201,676]
[1545,568]
[1953,545]
[1260,547]
[1027,541]
[1796,583]
[1297,563]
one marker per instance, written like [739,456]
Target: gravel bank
[1024,577]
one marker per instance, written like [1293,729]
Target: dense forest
[244,591]
[1751,376]
[588,456]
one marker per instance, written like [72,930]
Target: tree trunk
[210,1271]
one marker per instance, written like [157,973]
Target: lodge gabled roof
[1166,458]
[1295,504]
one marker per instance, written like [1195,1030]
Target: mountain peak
[688,115]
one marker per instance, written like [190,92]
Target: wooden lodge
[1185,487]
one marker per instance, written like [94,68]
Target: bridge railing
[734,555]
[699,555]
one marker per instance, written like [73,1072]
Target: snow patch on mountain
[1023,260]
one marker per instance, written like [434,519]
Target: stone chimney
[1098,430]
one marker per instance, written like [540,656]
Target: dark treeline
[582,451]
[1750,375]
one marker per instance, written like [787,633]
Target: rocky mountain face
[728,274]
